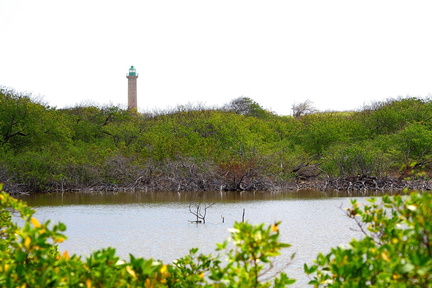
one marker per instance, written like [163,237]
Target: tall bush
[396,250]
[364,158]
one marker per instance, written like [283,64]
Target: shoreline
[358,184]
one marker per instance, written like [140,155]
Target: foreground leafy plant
[249,262]
[395,252]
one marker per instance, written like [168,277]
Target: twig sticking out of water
[199,212]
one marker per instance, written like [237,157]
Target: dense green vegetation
[239,146]
[396,251]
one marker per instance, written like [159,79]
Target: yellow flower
[27,242]
[66,255]
[59,239]
[5,267]
[35,222]
[163,269]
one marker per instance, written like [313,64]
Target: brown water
[157,225]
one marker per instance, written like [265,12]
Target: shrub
[317,132]
[364,158]
[396,250]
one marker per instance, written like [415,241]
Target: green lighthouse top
[132,71]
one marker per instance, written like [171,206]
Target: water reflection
[157,225]
[59,199]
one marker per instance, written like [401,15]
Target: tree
[415,142]
[318,132]
[247,106]
[352,159]
[27,123]
[303,109]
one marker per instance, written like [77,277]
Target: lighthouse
[132,89]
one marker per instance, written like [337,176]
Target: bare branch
[303,109]
[198,212]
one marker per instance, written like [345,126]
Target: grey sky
[338,54]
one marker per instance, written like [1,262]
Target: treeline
[239,146]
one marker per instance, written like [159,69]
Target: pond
[157,225]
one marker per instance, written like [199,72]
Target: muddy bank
[365,184]
[187,184]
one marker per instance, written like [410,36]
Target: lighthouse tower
[132,89]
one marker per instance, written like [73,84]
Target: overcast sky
[340,55]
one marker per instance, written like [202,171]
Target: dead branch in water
[243,215]
[199,212]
